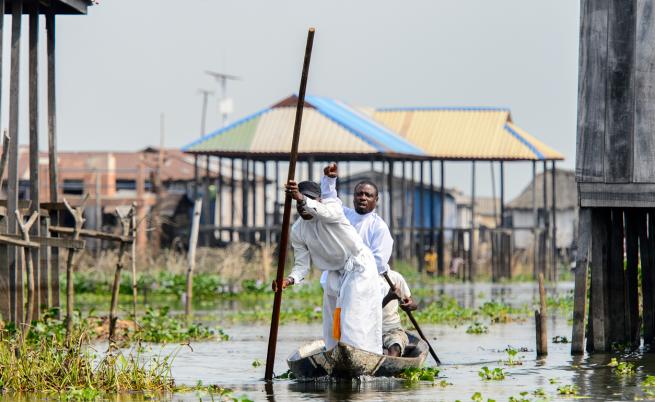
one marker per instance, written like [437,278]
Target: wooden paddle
[414,323]
[284,236]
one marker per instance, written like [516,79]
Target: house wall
[566,226]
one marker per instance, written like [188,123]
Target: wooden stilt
[647,257]
[631,313]
[600,220]
[615,297]
[580,292]
[442,220]
[14,264]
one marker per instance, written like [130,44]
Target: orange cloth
[336,324]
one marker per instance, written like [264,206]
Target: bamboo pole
[284,236]
[27,255]
[125,220]
[540,320]
[77,213]
[193,242]
[133,259]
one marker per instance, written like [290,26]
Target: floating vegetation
[496,374]
[512,357]
[649,381]
[414,375]
[560,339]
[477,328]
[160,327]
[287,375]
[521,398]
[477,397]
[621,368]
[567,390]
[256,363]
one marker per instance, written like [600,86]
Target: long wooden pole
[193,242]
[284,236]
[414,323]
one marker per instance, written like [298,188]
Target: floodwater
[230,364]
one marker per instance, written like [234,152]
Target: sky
[127,62]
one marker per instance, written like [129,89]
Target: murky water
[230,363]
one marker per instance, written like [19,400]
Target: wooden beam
[599,265]
[4,239]
[14,264]
[5,305]
[95,234]
[52,153]
[60,242]
[37,269]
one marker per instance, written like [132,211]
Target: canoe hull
[344,361]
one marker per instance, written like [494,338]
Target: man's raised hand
[330,170]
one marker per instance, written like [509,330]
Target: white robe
[334,246]
[371,227]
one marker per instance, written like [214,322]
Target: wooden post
[540,320]
[421,219]
[125,220]
[546,217]
[282,255]
[413,208]
[632,327]
[403,207]
[442,220]
[193,241]
[52,153]
[502,194]
[391,222]
[535,222]
[432,217]
[555,266]
[615,297]
[34,144]
[647,255]
[580,292]
[133,224]
[472,256]
[29,268]
[276,212]
[15,276]
[195,176]
[244,199]
[253,186]
[218,204]
[232,205]
[599,266]
[77,214]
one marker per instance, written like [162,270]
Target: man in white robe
[377,237]
[352,300]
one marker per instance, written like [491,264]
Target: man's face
[365,199]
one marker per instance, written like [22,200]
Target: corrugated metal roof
[332,127]
[328,126]
[465,133]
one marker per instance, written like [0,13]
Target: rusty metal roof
[466,133]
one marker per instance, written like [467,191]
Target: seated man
[394,338]
[351,298]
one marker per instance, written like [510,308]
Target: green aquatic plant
[512,357]
[256,363]
[287,375]
[495,374]
[521,398]
[649,381]
[159,326]
[414,375]
[567,390]
[539,392]
[477,397]
[477,328]
[621,368]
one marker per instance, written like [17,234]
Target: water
[230,364]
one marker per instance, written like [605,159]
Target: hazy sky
[128,61]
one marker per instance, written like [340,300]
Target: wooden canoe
[344,361]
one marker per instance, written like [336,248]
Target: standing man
[377,237]
[351,297]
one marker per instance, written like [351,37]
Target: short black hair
[367,182]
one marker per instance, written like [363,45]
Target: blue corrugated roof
[224,129]
[370,131]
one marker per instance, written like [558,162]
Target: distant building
[520,215]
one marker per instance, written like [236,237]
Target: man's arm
[328,187]
[300,255]
[381,245]
[330,211]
